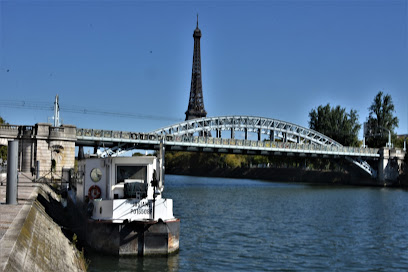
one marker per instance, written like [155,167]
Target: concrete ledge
[9,239]
[34,242]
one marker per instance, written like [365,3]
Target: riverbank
[34,239]
[280,174]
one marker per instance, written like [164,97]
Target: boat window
[130,172]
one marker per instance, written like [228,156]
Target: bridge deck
[195,143]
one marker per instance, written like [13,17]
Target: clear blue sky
[277,59]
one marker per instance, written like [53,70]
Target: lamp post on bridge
[368,131]
[389,144]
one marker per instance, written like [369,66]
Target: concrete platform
[30,239]
[25,189]
[12,216]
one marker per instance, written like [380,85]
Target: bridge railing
[272,145]
[221,142]
[116,134]
[13,131]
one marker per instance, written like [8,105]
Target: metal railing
[199,141]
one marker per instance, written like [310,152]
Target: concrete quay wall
[34,242]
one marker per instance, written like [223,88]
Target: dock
[26,194]
[29,238]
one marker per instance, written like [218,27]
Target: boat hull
[141,238]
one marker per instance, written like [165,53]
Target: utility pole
[56,112]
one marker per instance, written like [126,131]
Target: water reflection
[108,263]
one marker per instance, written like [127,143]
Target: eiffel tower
[196,102]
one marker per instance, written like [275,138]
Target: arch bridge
[224,134]
[272,137]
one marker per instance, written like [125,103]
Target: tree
[3,149]
[336,123]
[381,118]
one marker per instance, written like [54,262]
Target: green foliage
[2,121]
[181,160]
[336,123]
[399,142]
[381,116]
[74,239]
[3,153]
[233,160]
[3,149]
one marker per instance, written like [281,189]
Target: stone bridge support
[52,147]
[390,164]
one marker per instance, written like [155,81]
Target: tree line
[335,122]
[177,161]
[343,127]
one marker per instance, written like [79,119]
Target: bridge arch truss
[273,129]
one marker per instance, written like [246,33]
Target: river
[251,225]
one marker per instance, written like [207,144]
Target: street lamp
[389,136]
[368,132]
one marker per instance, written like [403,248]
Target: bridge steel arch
[273,128]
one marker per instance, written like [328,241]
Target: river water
[251,225]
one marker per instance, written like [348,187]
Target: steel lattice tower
[196,102]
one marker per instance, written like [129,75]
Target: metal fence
[199,141]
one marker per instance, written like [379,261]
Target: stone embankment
[33,241]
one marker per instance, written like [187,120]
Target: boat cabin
[122,189]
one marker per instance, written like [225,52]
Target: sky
[131,61]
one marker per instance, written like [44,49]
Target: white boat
[126,214]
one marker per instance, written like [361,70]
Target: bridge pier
[52,147]
[81,154]
[390,164]
[26,149]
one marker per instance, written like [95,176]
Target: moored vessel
[121,202]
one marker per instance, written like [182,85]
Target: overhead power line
[46,106]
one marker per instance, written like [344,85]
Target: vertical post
[37,171]
[246,133]
[272,135]
[259,135]
[81,154]
[12,158]
[232,133]
[389,139]
[56,112]
[162,162]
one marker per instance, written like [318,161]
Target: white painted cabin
[121,189]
